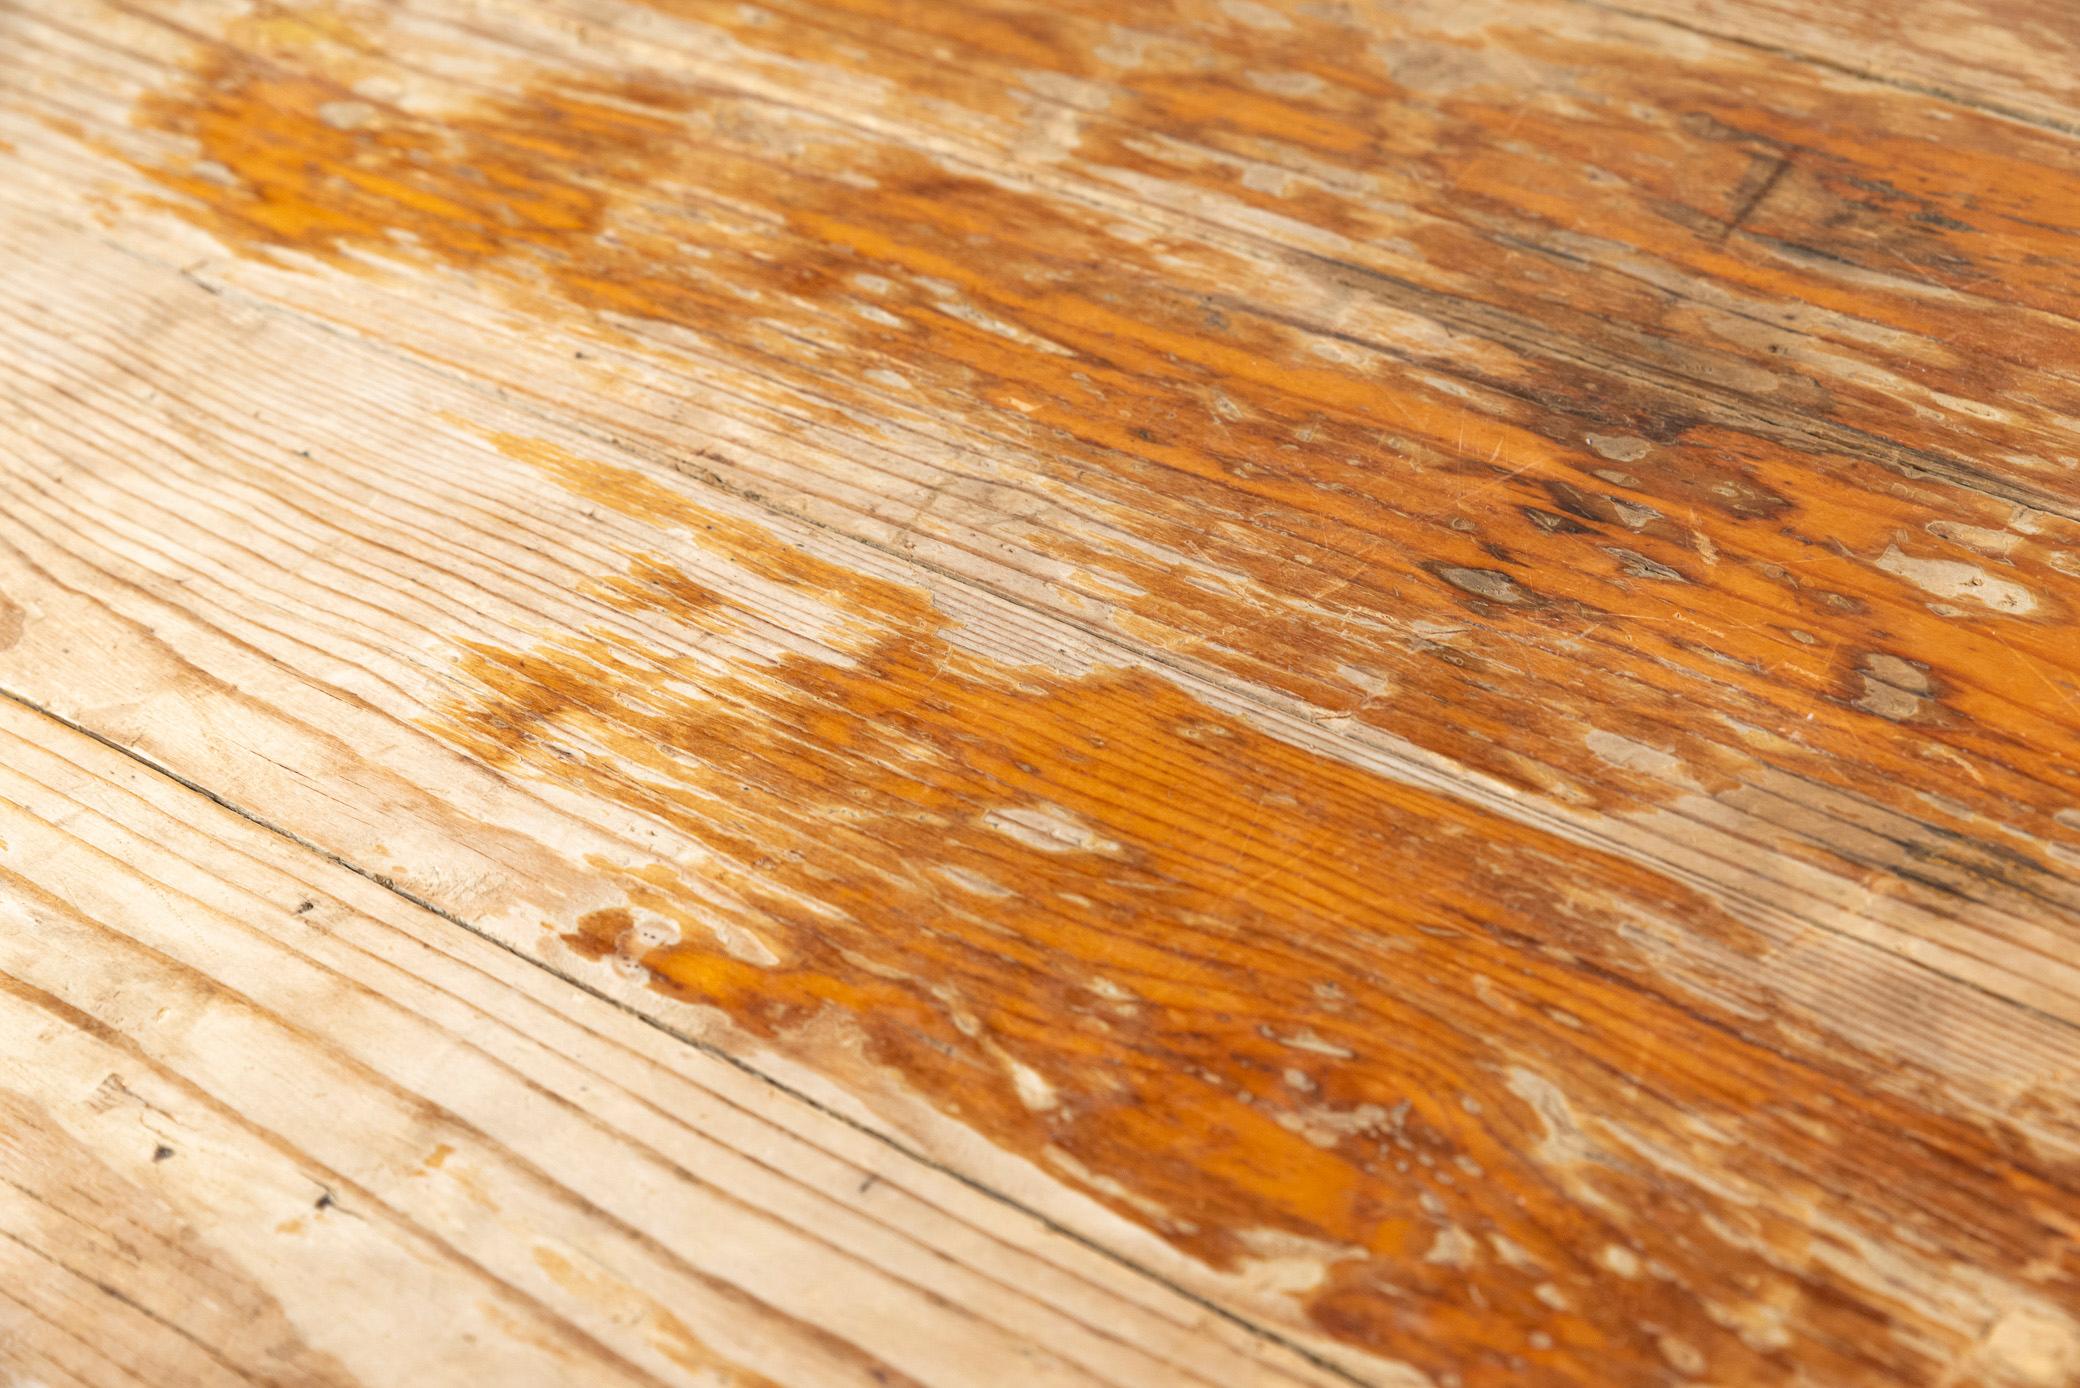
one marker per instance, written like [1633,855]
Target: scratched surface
[1407,669]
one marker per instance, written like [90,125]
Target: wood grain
[266,1122]
[1329,1039]
[2014,57]
[1124,468]
[1410,664]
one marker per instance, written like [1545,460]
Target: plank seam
[706,1048]
[1791,427]
[1525,336]
[1876,78]
[1442,777]
[1426,771]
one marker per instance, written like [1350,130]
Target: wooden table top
[973,692]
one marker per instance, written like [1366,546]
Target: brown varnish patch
[1261,1002]
[1296,520]
[1269,1006]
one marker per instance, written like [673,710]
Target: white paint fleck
[1999,544]
[1910,675]
[1515,1254]
[1282,1263]
[346,115]
[2032,1345]
[1619,448]
[1888,701]
[971,881]
[1485,583]
[1950,578]
[1564,1143]
[1268,178]
[650,932]
[1110,991]
[1033,1089]
[1454,1248]
[1682,1355]
[1628,755]
[1325,1126]
[1309,1040]
[1484,988]
[1635,515]
[1050,829]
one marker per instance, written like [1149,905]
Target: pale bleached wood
[264,1121]
[1764,696]
[2017,57]
[290,626]
[262,573]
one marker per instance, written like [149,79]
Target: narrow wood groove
[1261,693]
[327,1199]
[1826,64]
[116,1294]
[1452,782]
[1525,335]
[1734,408]
[663,1026]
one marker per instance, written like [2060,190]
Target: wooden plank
[1435,1081]
[2017,57]
[1468,609]
[1646,568]
[264,1121]
[1624,219]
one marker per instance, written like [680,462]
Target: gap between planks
[1835,65]
[1410,765]
[910,1153]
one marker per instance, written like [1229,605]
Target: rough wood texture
[1410,665]
[267,1122]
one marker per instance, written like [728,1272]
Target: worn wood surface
[1407,668]
[266,1122]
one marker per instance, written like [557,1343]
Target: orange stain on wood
[1282,1012]
[1481,558]
[288,156]
[548,185]
[1256,1000]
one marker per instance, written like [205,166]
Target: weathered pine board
[1411,663]
[1446,1091]
[2020,57]
[1630,568]
[263,1121]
